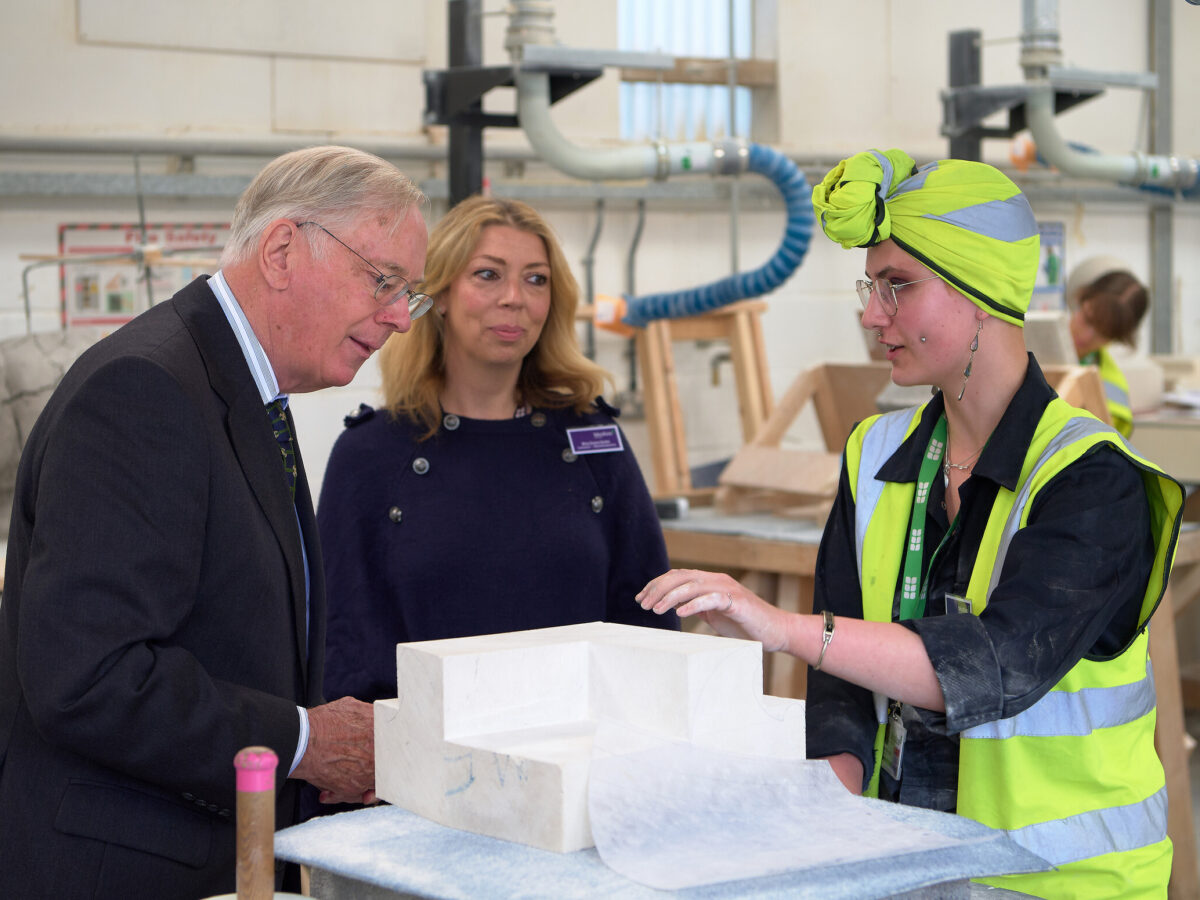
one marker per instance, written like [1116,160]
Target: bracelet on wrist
[826,637]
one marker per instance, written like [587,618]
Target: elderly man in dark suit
[164,595]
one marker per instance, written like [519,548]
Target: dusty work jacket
[1075,777]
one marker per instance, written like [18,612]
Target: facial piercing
[923,339]
[971,360]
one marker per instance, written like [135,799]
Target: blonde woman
[494,492]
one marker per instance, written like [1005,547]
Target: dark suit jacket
[153,616]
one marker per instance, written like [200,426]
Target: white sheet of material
[680,816]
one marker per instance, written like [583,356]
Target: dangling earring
[971,360]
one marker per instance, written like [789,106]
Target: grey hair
[336,186]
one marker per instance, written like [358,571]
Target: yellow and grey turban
[965,220]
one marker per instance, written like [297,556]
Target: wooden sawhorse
[740,325]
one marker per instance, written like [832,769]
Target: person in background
[164,598]
[494,491]
[991,561]
[1107,304]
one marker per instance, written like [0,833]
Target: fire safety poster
[113,271]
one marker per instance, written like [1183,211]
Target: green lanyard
[913,592]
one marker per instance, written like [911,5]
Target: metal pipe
[631,257]
[657,161]
[465,145]
[531,21]
[1163,315]
[267,147]
[734,198]
[630,281]
[660,161]
[589,268]
[146,275]
[1040,51]
[1039,37]
[1139,169]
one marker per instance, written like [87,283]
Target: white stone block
[495,734]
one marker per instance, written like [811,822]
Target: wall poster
[99,290]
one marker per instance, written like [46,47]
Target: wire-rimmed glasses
[388,288]
[885,290]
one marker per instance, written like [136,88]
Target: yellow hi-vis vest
[1116,392]
[1074,778]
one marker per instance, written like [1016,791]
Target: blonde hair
[554,374]
[336,186]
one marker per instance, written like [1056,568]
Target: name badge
[597,439]
[957,604]
[892,758]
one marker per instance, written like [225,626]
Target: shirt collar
[1004,455]
[252,349]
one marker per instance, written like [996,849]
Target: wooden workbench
[776,558]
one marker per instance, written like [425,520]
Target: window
[685,28]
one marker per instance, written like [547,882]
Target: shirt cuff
[302,743]
[966,667]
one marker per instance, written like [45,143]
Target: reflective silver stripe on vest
[1074,713]
[1075,429]
[1114,394]
[1112,830]
[1008,220]
[882,439]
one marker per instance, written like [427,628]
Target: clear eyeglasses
[388,288]
[885,290]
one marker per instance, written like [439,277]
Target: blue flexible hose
[797,198]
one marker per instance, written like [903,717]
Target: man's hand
[340,759]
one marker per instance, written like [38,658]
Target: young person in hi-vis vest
[991,561]
[1107,304]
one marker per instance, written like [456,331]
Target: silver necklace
[964,466]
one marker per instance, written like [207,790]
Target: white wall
[852,74]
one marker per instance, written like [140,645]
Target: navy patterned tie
[287,449]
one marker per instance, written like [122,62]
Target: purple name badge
[597,439]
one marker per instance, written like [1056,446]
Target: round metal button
[597,504]
[395,514]
[450,422]
[568,455]
[420,465]
[537,420]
